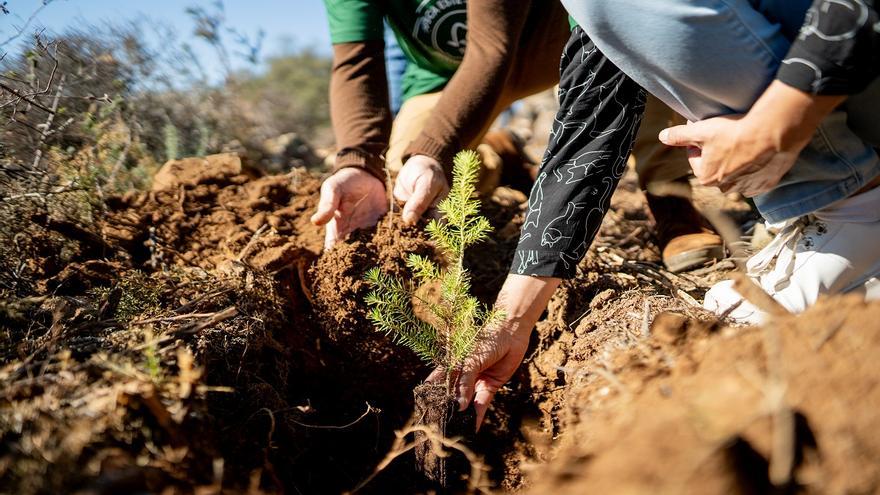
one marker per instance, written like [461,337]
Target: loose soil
[201,339]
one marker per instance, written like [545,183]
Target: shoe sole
[693,259]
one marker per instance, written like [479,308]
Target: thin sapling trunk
[458,319]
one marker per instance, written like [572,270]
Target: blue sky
[287,23]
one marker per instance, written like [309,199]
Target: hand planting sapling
[456,319]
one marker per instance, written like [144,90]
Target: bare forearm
[790,115]
[523,299]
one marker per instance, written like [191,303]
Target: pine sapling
[458,319]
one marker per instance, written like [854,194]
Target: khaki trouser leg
[412,118]
[657,164]
[663,173]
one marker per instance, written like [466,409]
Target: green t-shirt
[431,33]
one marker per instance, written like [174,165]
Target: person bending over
[784,96]
[466,63]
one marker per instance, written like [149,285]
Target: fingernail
[409,218]
[664,135]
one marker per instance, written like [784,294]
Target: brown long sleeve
[513,50]
[359,106]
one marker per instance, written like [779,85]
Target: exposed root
[440,445]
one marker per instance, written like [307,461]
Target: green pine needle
[423,268]
[459,319]
[391,312]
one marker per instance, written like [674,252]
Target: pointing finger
[682,135]
[485,392]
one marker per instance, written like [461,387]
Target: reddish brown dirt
[292,395]
[637,391]
[211,219]
[696,405]
[314,393]
[293,391]
[338,288]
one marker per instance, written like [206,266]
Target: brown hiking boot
[684,241]
[518,170]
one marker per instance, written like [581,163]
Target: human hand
[751,153]
[350,199]
[499,354]
[728,153]
[420,184]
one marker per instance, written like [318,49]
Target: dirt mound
[288,385]
[212,265]
[122,395]
[338,287]
[212,210]
[202,340]
[635,389]
[713,410]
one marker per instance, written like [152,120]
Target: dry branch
[477,481]
[753,293]
[782,457]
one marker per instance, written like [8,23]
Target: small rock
[255,222]
[274,221]
[507,197]
[194,171]
[668,327]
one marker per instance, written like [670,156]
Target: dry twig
[254,238]
[782,456]
[370,409]
[477,481]
[753,293]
